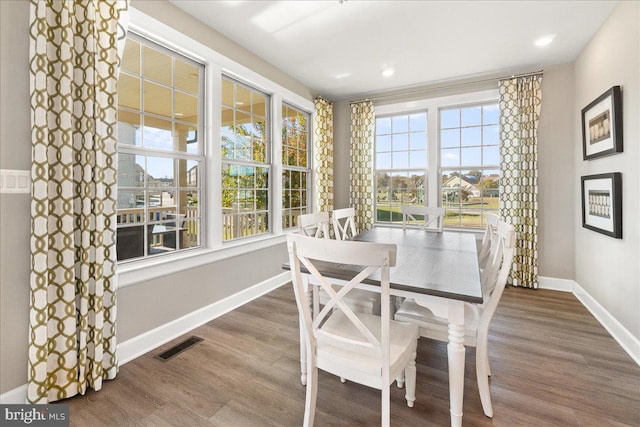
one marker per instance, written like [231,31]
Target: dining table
[439,270]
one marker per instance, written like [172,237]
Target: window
[469,159]
[160,151]
[439,152]
[295,165]
[400,164]
[196,167]
[246,168]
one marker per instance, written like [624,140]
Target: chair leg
[410,374]
[386,405]
[400,380]
[483,376]
[312,394]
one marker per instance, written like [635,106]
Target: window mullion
[433,172]
[277,166]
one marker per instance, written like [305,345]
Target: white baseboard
[627,341]
[17,396]
[137,346]
[551,283]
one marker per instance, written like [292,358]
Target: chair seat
[435,327]
[360,364]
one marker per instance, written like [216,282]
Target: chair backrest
[368,257]
[494,276]
[314,224]
[347,228]
[488,240]
[432,218]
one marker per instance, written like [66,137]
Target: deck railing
[236,225]
[131,216]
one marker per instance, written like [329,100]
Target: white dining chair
[432,217]
[477,317]
[344,228]
[363,348]
[314,224]
[344,223]
[488,240]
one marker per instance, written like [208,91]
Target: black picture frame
[602,203]
[602,125]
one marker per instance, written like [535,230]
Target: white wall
[607,268]
[556,175]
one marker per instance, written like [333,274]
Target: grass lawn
[467,215]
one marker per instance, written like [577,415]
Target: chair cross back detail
[373,257]
[433,217]
[489,239]
[494,276]
[347,228]
[314,224]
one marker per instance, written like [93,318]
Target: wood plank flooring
[552,364]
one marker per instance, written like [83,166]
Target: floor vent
[179,348]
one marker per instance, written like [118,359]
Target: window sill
[148,269]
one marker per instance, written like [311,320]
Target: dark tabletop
[440,264]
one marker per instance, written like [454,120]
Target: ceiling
[340,49]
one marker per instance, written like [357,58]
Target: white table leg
[456,356]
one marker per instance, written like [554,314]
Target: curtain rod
[412,92]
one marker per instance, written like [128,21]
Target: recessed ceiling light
[387,72]
[239,103]
[341,76]
[544,40]
[179,114]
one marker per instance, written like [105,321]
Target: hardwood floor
[552,364]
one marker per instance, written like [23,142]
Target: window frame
[433,192]
[480,167]
[408,169]
[174,155]
[267,164]
[216,64]
[308,169]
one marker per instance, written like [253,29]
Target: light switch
[15,181]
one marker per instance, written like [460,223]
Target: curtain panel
[361,163]
[520,102]
[323,155]
[74,59]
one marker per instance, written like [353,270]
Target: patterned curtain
[361,163]
[520,100]
[74,58]
[323,154]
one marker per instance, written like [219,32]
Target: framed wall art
[602,203]
[602,125]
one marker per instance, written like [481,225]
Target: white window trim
[216,64]
[432,106]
